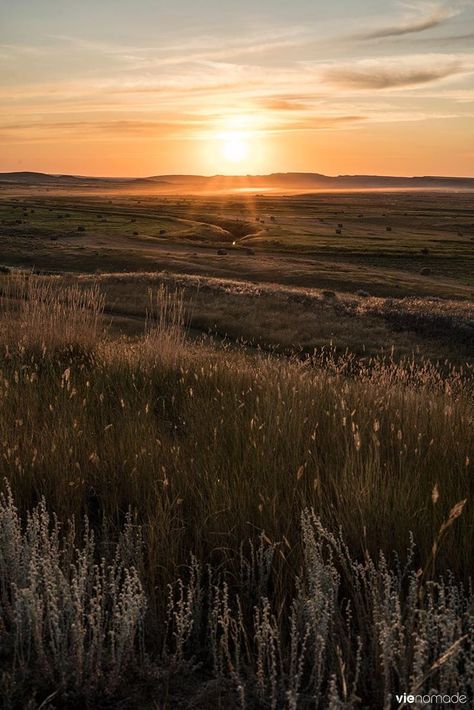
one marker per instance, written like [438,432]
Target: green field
[295,239]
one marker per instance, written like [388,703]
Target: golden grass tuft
[165,322]
[41,313]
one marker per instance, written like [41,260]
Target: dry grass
[164,325]
[251,464]
[302,319]
[43,314]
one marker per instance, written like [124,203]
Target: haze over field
[138,88]
[276,183]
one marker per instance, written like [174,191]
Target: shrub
[74,621]
[355,633]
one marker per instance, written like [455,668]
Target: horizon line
[236,175]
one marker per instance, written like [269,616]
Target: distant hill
[317,181]
[276,181]
[32,178]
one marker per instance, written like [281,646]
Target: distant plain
[294,271]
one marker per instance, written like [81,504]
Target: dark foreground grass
[260,532]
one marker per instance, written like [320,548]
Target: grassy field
[278,515]
[262,268]
[286,240]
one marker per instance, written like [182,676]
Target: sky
[147,87]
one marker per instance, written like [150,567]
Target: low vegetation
[188,524]
[285,240]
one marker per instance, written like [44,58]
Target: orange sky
[132,88]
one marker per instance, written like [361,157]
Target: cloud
[286,103]
[437,15]
[183,127]
[438,40]
[136,128]
[190,50]
[318,123]
[392,74]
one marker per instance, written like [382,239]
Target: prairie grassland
[390,244]
[249,529]
[297,319]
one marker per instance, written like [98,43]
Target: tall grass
[296,487]
[165,325]
[40,313]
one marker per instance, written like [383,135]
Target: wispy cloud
[392,72]
[287,103]
[190,49]
[433,16]
[55,131]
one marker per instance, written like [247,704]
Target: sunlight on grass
[266,514]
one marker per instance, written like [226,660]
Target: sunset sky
[143,87]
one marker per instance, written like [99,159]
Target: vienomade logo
[436,699]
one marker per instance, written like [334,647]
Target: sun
[234,146]
[235,143]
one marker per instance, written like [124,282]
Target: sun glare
[234,146]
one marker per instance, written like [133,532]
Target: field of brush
[237,479]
